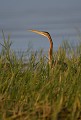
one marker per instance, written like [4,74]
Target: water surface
[60,18]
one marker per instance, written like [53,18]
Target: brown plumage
[46,34]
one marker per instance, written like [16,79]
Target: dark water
[62,19]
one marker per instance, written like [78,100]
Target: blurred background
[61,18]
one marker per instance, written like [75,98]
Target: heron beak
[38,32]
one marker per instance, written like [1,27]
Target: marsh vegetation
[32,90]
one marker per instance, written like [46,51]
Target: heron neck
[51,42]
[50,52]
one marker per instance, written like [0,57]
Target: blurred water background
[61,18]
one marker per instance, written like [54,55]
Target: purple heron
[46,34]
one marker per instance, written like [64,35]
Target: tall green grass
[34,91]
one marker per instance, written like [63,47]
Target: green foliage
[34,91]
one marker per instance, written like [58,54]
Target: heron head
[43,33]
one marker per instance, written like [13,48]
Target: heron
[47,35]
